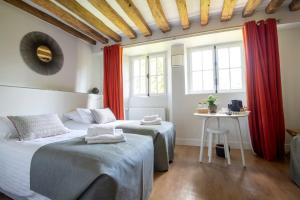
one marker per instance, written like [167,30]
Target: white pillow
[74,115]
[38,126]
[86,115]
[7,129]
[103,116]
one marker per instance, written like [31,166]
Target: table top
[222,115]
[293,132]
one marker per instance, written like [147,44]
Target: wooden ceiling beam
[86,15]
[159,15]
[114,17]
[250,7]
[70,19]
[227,11]
[273,6]
[294,5]
[204,12]
[135,15]
[183,14]
[51,20]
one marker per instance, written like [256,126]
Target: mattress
[15,161]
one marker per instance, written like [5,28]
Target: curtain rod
[185,35]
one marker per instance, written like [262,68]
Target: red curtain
[113,80]
[266,121]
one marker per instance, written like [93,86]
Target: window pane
[196,81]
[143,85]
[208,80]
[153,84]
[223,58]
[136,68]
[236,78]
[160,84]
[160,66]
[196,61]
[207,58]
[143,67]
[152,67]
[235,57]
[136,83]
[224,79]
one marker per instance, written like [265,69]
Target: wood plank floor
[187,179]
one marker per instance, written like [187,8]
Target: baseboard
[232,144]
[196,142]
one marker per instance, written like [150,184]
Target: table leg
[202,139]
[241,141]
[218,120]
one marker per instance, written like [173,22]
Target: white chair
[211,132]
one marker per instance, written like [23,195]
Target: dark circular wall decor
[41,53]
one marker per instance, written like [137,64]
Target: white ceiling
[201,40]
[169,7]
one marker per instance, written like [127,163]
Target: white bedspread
[15,160]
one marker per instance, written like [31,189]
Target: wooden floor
[187,179]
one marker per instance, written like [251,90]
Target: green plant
[211,100]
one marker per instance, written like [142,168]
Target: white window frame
[228,45]
[189,69]
[215,76]
[132,75]
[147,57]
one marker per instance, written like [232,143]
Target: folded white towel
[107,138]
[100,130]
[150,118]
[111,141]
[153,122]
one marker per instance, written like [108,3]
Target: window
[214,69]
[149,75]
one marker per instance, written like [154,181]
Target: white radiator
[139,113]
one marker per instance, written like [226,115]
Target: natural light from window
[149,75]
[215,68]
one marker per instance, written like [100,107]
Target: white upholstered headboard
[26,101]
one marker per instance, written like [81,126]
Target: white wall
[188,127]
[140,101]
[289,49]
[27,101]
[182,106]
[78,74]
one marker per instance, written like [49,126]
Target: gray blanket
[72,169]
[164,140]
[295,160]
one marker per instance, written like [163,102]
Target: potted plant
[212,107]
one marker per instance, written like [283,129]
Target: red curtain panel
[264,96]
[113,80]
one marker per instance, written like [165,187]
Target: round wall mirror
[44,53]
[41,53]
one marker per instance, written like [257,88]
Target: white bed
[15,160]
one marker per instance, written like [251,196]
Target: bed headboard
[26,101]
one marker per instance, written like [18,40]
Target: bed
[163,137]
[64,167]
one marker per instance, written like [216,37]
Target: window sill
[213,93]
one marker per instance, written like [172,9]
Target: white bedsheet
[83,126]
[15,160]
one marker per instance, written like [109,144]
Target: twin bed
[65,167]
[163,137]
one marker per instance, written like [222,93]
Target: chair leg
[226,149]
[210,147]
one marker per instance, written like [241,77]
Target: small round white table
[235,117]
